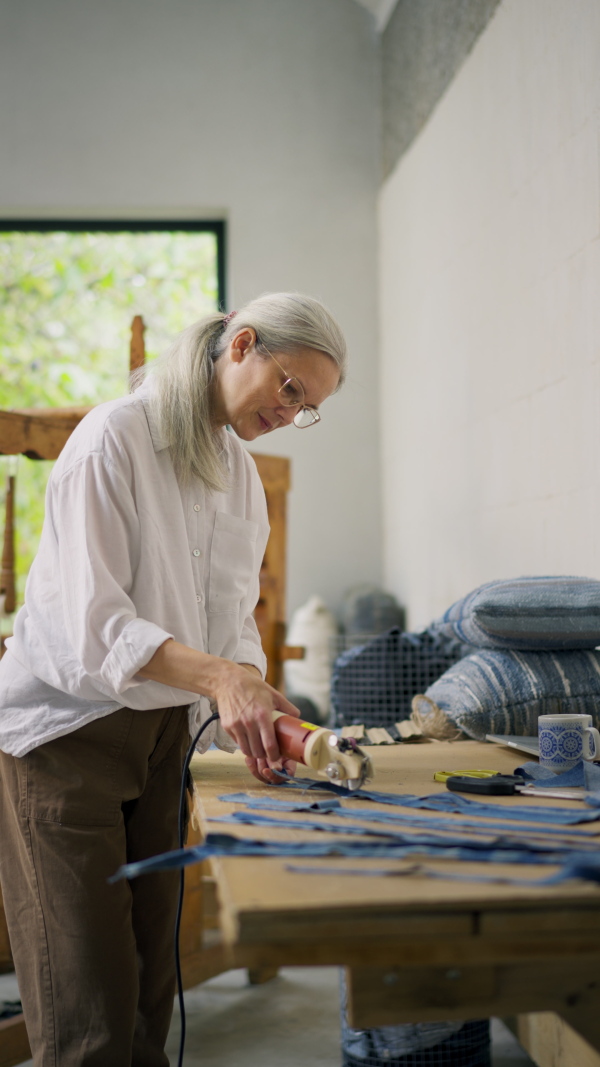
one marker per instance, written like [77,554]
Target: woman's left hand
[260,769]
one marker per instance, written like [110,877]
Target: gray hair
[181,398]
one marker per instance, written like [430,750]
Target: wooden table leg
[551,1042]
[14,1043]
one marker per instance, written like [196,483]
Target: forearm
[177,665]
[251,668]
[246,703]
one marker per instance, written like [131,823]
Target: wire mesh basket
[468,1046]
[433,1044]
[374,677]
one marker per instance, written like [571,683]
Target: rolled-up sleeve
[249,649]
[98,535]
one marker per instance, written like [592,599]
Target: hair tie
[227,318]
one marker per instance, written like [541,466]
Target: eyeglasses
[291,395]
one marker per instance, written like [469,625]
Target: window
[68,293]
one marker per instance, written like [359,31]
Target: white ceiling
[380,9]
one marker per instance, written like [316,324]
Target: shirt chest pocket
[232,562]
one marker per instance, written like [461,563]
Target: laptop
[530,745]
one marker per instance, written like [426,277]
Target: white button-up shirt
[127,559]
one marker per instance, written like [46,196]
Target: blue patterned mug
[567,739]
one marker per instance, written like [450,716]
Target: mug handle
[589,732]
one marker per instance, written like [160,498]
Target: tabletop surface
[261,900]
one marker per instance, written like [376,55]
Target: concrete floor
[292,1021]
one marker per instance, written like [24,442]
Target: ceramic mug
[567,739]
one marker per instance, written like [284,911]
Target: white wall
[261,111]
[490,316]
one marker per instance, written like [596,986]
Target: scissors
[442,776]
[504,785]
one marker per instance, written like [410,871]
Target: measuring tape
[443,776]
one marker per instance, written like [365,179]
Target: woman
[138,615]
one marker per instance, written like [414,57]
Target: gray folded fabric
[530,614]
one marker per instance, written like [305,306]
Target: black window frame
[50,225]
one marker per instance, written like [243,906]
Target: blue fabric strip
[248,818]
[227,845]
[428,822]
[271,803]
[361,872]
[574,862]
[588,872]
[585,773]
[451,802]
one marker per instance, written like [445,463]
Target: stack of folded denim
[532,651]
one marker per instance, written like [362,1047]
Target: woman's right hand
[261,769]
[246,704]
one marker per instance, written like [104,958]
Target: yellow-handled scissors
[443,776]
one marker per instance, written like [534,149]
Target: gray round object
[369,610]
[308,711]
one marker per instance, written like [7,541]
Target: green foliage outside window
[66,304]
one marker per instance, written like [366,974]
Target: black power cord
[182,827]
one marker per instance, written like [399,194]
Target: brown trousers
[94,961]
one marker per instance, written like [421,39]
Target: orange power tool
[337,758]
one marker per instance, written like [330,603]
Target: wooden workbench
[416,949]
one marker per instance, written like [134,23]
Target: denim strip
[585,773]
[361,872]
[587,871]
[428,822]
[587,865]
[271,803]
[449,802]
[496,841]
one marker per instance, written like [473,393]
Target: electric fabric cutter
[337,758]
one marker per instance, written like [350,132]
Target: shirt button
[196,507]
[198,598]
[196,552]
